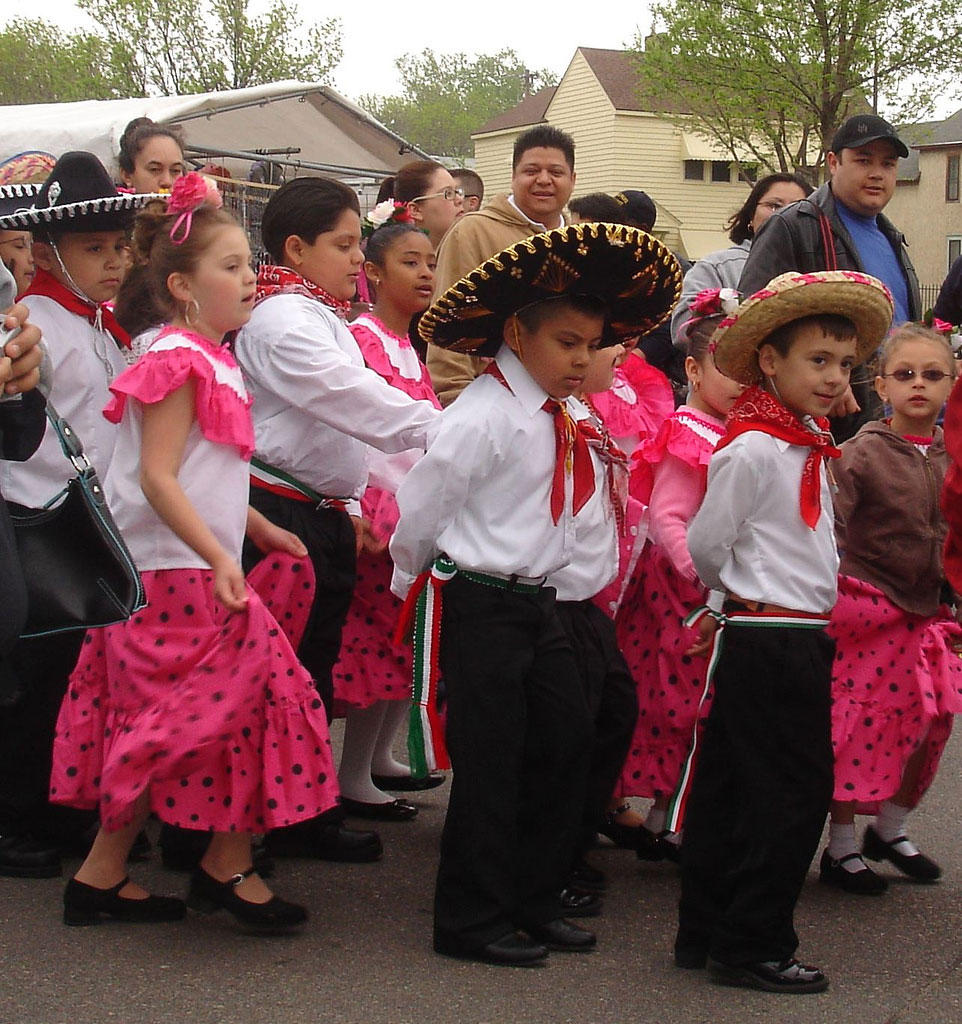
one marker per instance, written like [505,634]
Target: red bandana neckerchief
[275,280]
[756,409]
[98,315]
[572,453]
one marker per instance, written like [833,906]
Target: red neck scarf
[274,280]
[756,409]
[100,315]
[572,454]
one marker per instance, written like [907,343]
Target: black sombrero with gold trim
[633,273]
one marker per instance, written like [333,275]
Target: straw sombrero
[77,196]
[630,271]
[860,297]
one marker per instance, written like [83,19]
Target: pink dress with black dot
[370,668]
[210,711]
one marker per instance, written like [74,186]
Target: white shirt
[482,492]
[594,561]
[84,361]
[215,478]
[749,538]
[316,403]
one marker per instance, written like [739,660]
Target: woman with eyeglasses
[897,677]
[434,199]
[722,269]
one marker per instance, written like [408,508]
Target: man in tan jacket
[542,179]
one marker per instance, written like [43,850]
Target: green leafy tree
[446,97]
[40,63]
[182,46]
[771,81]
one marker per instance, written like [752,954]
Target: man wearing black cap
[841,227]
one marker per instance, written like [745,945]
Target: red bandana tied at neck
[756,409]
[274,280]
[572,454]
[99,315]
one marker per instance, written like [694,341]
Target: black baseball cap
[638,207]
[864,128]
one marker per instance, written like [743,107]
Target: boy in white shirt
[764,536]
[493,505]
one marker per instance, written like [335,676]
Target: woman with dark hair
[434,199]
[316,408]
[723,268]
[151,156]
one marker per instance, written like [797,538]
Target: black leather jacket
[792,240]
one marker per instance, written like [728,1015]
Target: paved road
[365,956]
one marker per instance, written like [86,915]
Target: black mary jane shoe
[623,836]
[563,936]
[408,783]
[863,882]
[207,894]
[392,810]
[84,904]
[916,865]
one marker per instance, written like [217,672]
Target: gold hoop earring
[187,317]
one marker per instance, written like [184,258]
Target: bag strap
[828,240]
[71,444]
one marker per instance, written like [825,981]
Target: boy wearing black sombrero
[489,512]
[764,536]
[78,220]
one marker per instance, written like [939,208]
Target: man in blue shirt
[841,227]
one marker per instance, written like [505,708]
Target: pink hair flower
[942,326]
[713,301]
[189,193]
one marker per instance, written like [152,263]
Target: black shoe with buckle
[85,904]
[908,860]
[207,894]
[624,836]
[788,976]
[23,856]
[863,882]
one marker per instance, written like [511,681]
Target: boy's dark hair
[598,206]
[544,136]
[383,238]
[740,224]
[306,207]
[469,180]
[782,338]
[138,132]
[532,317]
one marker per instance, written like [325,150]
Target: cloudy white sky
[376,32]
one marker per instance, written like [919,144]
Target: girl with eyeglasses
[897,679]
[434,199]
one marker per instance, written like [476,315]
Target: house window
[721,171]
[952,178]
[748,172]
[694,170]
[955,250]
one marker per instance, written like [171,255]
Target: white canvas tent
[302,125]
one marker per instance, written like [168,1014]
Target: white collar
[536,223]
[523,386]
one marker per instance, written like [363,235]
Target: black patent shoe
[511,950]
[864,882]
[206,895]
[26,857]
[408,783]
[563,936]
[916,865]
[623,836]
[649,846]
[787,976]
[580,904]
[84,904]
[391,810]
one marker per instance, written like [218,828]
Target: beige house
[621,142]
[926,204]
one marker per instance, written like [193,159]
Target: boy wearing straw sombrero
[496,505]
[764,536]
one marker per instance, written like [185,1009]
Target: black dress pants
[760,794]
[612,700]
[330,541]
[519,734]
